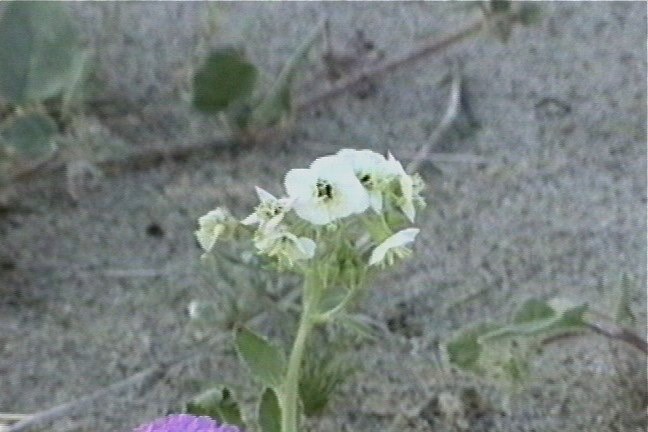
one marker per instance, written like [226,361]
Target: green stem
[290,388]
[332,313]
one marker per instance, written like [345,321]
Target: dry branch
[154,155]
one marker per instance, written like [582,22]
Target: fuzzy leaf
[502,351]
[269,412]
[358,325]
[29,135]
[500,6]
[537,317]
[331,297]
[465,349]
[217,403]
[529,13]
[502,359]
[266,361]
[225,78]
[320,377]
[39,51]
[533,310]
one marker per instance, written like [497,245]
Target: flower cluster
[358,197]
[185,423]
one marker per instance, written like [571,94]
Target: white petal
[264,196]
[286,203]
[251,219]
[361,160]
[409,210]
[317,215]
[274,222]
[213,217]
[207,236]
[376,201]
[394,166]
[407,189]
[378,254]
[401,238]
[348,154]
[331,165]
[353,197]
[299,183]
[307,246]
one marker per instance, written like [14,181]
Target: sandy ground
[94,291]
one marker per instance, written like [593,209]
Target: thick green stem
[290,388]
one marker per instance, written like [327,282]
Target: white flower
[372,170]
[285,246]
[211,226]
[393,247]
[270,211]
[406,182]
[327,191]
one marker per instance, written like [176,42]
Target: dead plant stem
[154,155]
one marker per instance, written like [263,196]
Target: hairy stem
[289,395]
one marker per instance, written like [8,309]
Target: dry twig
[434,46]
[154,155]
[617,332]
[446,121]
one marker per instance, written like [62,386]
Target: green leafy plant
[217,403]
[503,351]
[344,217]
[41,60]
[227,84]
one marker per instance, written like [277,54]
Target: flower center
[268,210]
[324,190]
[366,180]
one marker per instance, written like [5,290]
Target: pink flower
[185,423]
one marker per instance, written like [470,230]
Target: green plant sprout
[41,61]
[503,351]
[344,217]
[226,84]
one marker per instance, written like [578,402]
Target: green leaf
[500,359]
[29,136]
[529,13]
[502,351]
[321,375]
[39,51]
[537,317]
[533,310]
[266,361]
[500,6]
[358,325]
[465,349]
[217,403]
[269,412]
[331,297]
[225,78]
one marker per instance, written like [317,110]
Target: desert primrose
[342,218]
